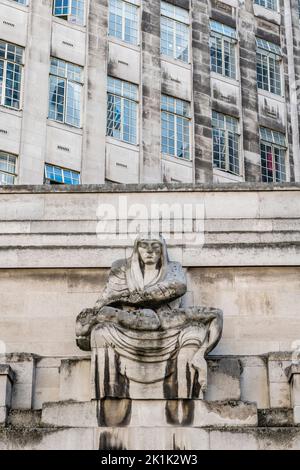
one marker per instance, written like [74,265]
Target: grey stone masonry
[151,92]
[247,49]
[35,139]
[201,91]
[93,165]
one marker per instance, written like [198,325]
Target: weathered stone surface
[74,380]
[71,414]
[140,332]
[254,381]
[149,413]
[3,415]
[7,377]
[223,380]
[232,440]
[275,417]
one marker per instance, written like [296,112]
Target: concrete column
[202,91]
[292,38]
[35,99]
[246,28]
[93,161]
[151,93]
[6,383]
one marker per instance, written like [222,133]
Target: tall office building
[149,91]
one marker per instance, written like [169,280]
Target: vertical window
[122,107]
[123,21]
[174,32]
[11,70]
[69,10]
[7,168]
[273,151]
[65,92]
[223,41]
[226,143]
[269,59]
[175,127]
[270,4]
[57,175]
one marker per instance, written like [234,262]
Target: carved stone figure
[144,343]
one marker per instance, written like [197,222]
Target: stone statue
[144,343]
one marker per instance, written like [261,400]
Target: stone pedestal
[6,383]
[150,424]
[293,374]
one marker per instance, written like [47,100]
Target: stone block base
[149,413]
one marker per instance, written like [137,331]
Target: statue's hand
[85,321]
[159,292]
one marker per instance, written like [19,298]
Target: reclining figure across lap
[143,342]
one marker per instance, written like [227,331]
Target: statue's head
[150,251]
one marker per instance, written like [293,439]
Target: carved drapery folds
[144,343]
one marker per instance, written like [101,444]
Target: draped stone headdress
[134,271]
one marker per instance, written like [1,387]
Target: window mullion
[65,99]
[175,134]
[226,149]
[4,82]
[122,117]
[269,73]
[123,21]
[223,55]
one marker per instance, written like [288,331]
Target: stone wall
[53,263]
[248,266]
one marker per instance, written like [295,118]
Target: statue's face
[149,251]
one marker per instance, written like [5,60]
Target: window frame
[66,81]
[176,115]
[227,156]
[123,99]
[269,51]
[3,89]
[265,5]
[231,39]
[138,39]
[69,15]
[49,181]
[15,174]
[23,3]
[176,22]
[268,139]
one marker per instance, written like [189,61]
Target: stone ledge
[158,187]
[5,369]
[176,438]
[275,417]
[149,413]
[291,370]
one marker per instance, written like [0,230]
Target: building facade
[55,259]
[147,92]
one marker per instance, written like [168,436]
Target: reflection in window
[123,21]
[174,32]
[7,168]
[272,151]
[268,66]
[57,175]
[69,10]
[11,70]
[226,143]
[223,49]
[122,110]
[175,127]
[65,92]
